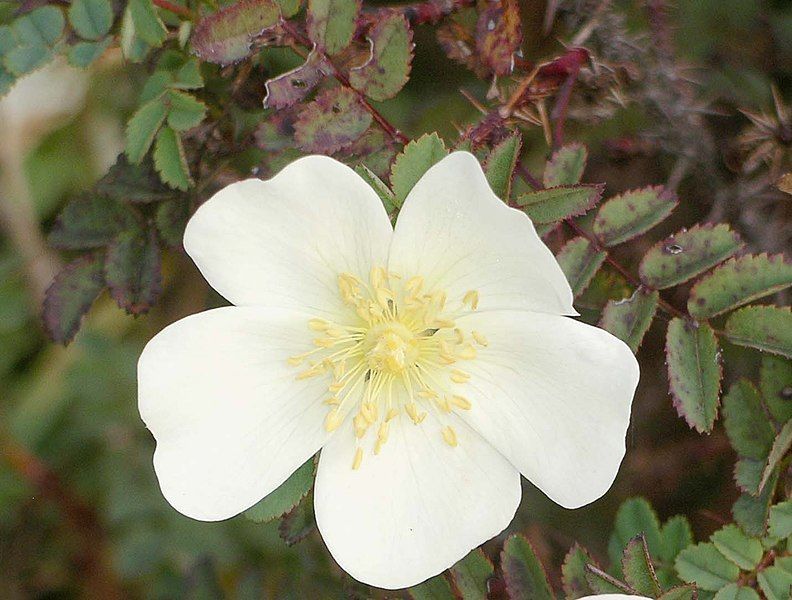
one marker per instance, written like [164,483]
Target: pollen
[399,353]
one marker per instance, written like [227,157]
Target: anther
[358,459]
[458,376]
[332,420]
[480,339]
[461,402]
[318,324]
[471,298]
[450,436]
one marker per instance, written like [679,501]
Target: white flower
[614,597]
[431,365]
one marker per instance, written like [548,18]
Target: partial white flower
[431,365]
[615,597]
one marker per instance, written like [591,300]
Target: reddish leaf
[289,88]
[499,35]
[133,270]
[388,68]
[331,122]
[70,295]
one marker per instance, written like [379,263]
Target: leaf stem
[174,8]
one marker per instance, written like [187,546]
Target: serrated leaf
[566,165]
[25,58]
[415,160]
[739,281]
[766,328]
[170,161]
[684,255]
[781,519]
[629,319]
[40,27]
[289,88]
[142,128]
[776,385]
[91,19]
[676,535]
[331,23]
[184,110]
[736,592]
[573,573]
[331,122]
[298,523]
[133,47]
[499,35]
[525,576]
[703,565]
[226,36]
[632,213]
[781,446]
[750,432]
[635,516]
[132,270]
[748,474]
[171,219]
[90,221]
[188,76]
[554,204]
[776,581]
[386,71]
[471,574]
[751,512]
[148,26]
[285,497]
[743,551]
[603,583]
[70,295]
[436,588]
[500,164]
[379,186]
[638,569]
[82,54]
[579,261]
[133,183]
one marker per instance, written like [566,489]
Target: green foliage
[776,386]
[298,523]
[170,161]
[630,319]
[780,449]
[386,71]
[762,327]
[36,34]
[554,204]
[776,580]
[379,186]
[632,213]
[743,551]
[634,517]
[331,23]
[734,591]
[70,296]
[686,254]
[705,566]
[285,497]
[781,519]
[132,270]
[91,19]
[91,221]
[573,573]
[82,54]
[413,162]
[565,166]
[694,372]
[331,122]
[500,164]
[142,128]
[147,23]
[637,567]
[750,432]
[524,574]
[579,260]
[436,588]
[470,576]
[185,111]
[226,36]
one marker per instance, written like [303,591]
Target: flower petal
[282,243]
[230,419]
[614,597]
[457,234]
[553,395]
[417,507]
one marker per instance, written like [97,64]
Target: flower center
[400,355]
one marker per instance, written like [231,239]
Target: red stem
[174,8]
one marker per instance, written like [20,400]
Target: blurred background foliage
[80,509]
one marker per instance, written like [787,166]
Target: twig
[174,8]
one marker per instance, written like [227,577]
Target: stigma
[403,356]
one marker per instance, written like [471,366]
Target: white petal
[554,396]
[614,597]
[282,242]
[459,236]
[416,508]
[230,420]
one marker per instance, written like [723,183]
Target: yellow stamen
[332,420]
[450,436]
[358,459]
[480,339]
[471,299]
[458,376]
[461,402]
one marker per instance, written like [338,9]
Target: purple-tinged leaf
[566,166]
[90,221]
[133,183]
[632,213]
[171,219]
[629,319]
[276,133]
[70,295]
[388,68]
[289,88]
[499,35]
[525,576]
[227,36]
[573,573]
[133,271]
[767,328]
[333,121]
[458,42]
[298,523]
[579,261]
[500,164]
[638,569]
[471,574]
[331,23]
[694,372]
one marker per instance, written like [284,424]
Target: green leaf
[629,319]
[133,183]
[293,86]
[471,574]
[91,221]
[331,122]
[289,8]
[500,164]
[133,47]
[781,519]
[776,384]
[331,23]
[171,219]
[436,588]
[170,161]
[91,19]
[132,270]
[386,71]
[379,186]
[638,569]
[686,254]
[285,497]
[40,27]
[185,111]
[188,76]
[694,372]
[634,517]
[579,261]
[7,39]
[739,281]
[7,80]
[573,573]
[82,54]
[750,432]
[736,592]
[762,327]
[70,295]
[780,448]
[554,204]
[632,213]
[566,166]
[748,474]
[142,128]
[743,551]
[776,581]
[297,524]
[148,25]
[226,36]
[677,535]
[24,59]
[703,565]
[751,512]
[525,576]
[415,160]
[603,583]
